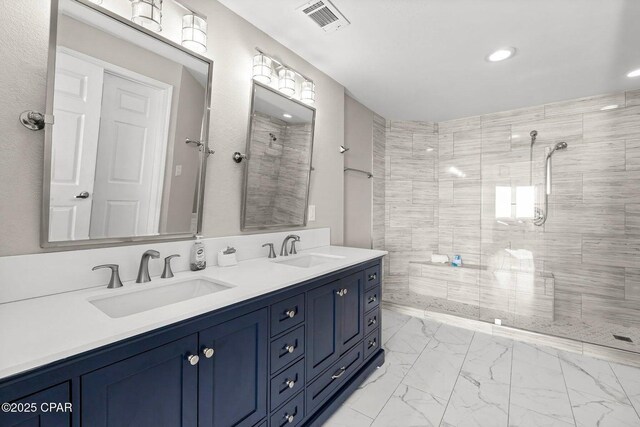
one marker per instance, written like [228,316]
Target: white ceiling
[425,59]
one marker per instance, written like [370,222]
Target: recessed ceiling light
[501,54]
[609,107]
[287,116]
[634,73]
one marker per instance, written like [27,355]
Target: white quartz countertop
[42,330]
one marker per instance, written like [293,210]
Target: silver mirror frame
[243,215]
[46,179]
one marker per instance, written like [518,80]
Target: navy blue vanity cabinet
[350,312]
[287,358]
[156,388]
[335,322]
[30,412]
[233,380]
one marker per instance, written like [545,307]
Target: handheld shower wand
[541,217]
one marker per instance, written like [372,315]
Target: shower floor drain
[622,338]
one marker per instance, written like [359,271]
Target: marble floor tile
[347,417]
[436,374]
[392,321]
[411,407]
[481,394]
[629,378]
[538,394]
[402,350]
[437,368]
[596,396]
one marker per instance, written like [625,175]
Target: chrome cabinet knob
[290,313]
[83,195]
[289,418]
[344,291]
[339,293]
[208,352]
[193,359]
[290,383]
[289,348]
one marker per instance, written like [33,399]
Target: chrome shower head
[559,146]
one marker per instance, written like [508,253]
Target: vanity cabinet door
[233,380]
[29,410]
[323,328]
[351,311]
[156,388]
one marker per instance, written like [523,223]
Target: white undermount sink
[156,296]
[310,260]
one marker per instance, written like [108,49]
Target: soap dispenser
[198,259]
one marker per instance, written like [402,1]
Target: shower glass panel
[568,266]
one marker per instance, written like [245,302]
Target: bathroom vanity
[288,356]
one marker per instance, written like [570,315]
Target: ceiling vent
[325,14]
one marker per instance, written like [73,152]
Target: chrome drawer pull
[208,352]
[340,372]
[290,313]
[193,359]
[289,348]
[372,299]
[290,383]
[289,418]
[373,276]
[372,321]
[342,292]
[372,343]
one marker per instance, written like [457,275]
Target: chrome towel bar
[369,174]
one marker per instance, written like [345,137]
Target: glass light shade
[194,33]
[308,92]
[287,81]
[262,69]
[98,2]
[147,13]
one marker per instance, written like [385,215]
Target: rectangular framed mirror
[124,102]
[278,169]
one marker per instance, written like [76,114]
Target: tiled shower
[472,186]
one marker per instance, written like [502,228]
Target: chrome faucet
[283,249]
[143,271]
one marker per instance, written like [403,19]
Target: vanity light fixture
[98,2]
[501,54]
[262,68]
[634,73]
[194,32]
[147,13]
[288,78]
[308,92]
[286,81]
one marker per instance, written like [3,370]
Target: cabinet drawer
[330,380]
[287,314]
[371,298]
[287,348]
[290,414]
[371,343]
[287,384]
[371,320]
[372,276]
